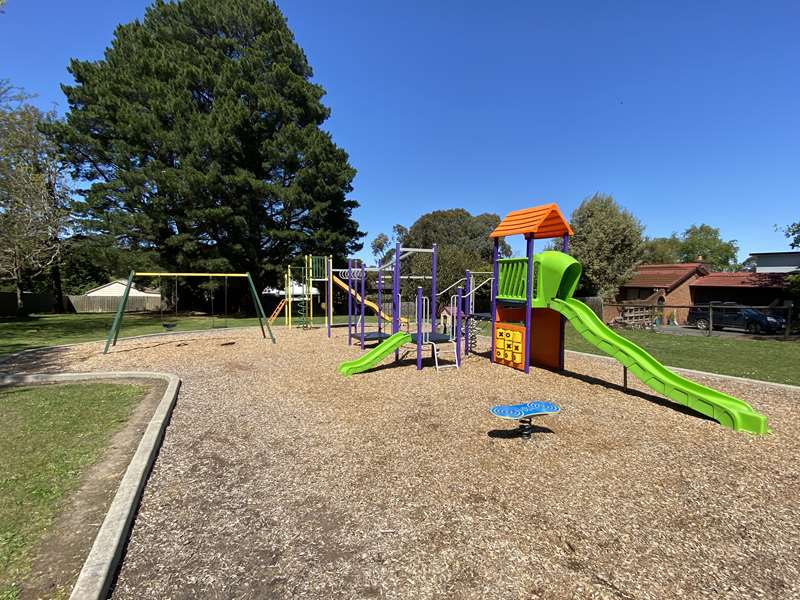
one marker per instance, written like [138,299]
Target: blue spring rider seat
[524,413]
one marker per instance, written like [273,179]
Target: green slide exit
[376,355]
[729,411]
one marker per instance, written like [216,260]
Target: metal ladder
[277,311]
[302,313]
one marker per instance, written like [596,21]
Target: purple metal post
[528,301]
[459,300]
[396,295]
[396,291]
[466,313]
[363,279]
[349,302]
[564,249]
[380,297]
[433,291]
[329,292]
[419,329]
[495,253]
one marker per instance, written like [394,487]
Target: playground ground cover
[279,478]
[767,360]
[49,438]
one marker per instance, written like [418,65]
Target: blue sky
[686,112]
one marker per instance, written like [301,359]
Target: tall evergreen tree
[199,134]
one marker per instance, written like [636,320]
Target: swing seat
[169,326]
[526,410]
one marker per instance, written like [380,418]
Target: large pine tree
[199,134]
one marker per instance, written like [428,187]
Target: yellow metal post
[289,291]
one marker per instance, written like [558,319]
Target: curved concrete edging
[98,571]
[784,386]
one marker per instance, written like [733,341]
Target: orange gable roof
[544,221]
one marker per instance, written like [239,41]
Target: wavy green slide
[729,411]
[376,355]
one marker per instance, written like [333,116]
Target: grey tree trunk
[58,289]
[20,299]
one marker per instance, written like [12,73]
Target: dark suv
[729,314]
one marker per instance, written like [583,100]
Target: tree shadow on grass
[38,360]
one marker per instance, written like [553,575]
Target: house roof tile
[742,279]
[667,276]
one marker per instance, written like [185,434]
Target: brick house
[653,285]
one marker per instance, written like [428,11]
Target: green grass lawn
[768,360]
[49,435]
[53,330]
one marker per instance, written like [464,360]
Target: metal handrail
[449,287]
[453,309]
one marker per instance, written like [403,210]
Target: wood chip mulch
[278,478]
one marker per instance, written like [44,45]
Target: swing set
[113,333]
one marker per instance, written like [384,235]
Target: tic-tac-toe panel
[509,345]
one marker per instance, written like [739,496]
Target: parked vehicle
[730,315]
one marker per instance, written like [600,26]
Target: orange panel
[545,338]
[509,314]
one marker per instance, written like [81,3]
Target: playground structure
[315,269]
[319,269]
[113,332]
[514,290]
[531,298]
[455,335]
[353,280]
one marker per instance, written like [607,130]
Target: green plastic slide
[729,411]
[374,356]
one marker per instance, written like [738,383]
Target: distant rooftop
[741,279]
[777,262]
[667,276]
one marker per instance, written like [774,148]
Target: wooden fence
[107,304]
